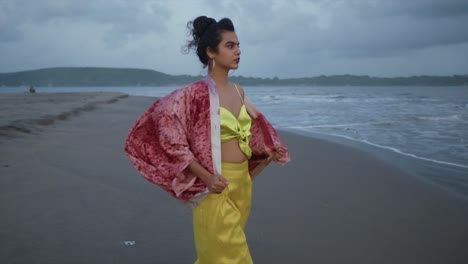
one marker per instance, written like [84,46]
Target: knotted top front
[232,127]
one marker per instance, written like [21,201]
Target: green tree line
[95,76]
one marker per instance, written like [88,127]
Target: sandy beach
[70,195]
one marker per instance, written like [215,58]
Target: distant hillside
[89,76]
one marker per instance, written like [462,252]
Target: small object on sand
[129,242]
[31,89]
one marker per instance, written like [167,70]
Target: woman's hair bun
[206,33]
[200,25]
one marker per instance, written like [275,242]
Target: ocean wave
[396,150]
[405,94]
[414,155]
[344,125]
[269,98]
[337,98]
[318,98]
[439,118]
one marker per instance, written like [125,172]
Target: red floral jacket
[184,126]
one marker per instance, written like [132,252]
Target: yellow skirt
[219,220]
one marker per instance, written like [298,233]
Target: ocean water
[429,124]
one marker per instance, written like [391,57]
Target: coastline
[69,194]
[451,178]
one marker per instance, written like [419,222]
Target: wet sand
[69,195]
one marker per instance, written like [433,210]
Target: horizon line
[320,75]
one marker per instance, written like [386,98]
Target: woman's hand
[277,154]
[217,183]
[280,153]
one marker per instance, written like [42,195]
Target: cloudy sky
[284,38]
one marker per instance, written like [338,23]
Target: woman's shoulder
[190,93]
[186,96]
[239,88]
[197,85]
[188,89]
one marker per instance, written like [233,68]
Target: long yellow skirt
[219,220]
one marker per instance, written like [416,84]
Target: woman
[204,144]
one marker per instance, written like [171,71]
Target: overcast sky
[284,38]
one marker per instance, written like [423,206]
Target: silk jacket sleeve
[264,138]
[157,144]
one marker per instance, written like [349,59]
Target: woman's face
[228,55]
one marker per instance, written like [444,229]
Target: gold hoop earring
[214,64]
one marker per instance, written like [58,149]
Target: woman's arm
[272,156]
[215,183]
[260,167]
[202,173]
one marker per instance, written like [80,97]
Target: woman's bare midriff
[231,152]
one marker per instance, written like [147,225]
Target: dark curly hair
[206,32]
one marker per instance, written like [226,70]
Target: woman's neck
[220,77]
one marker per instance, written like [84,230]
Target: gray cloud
[124,18]
[348,32]
[8,22]
[278,37]
[385,37]
[428,9]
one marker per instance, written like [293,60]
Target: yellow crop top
[232,127]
